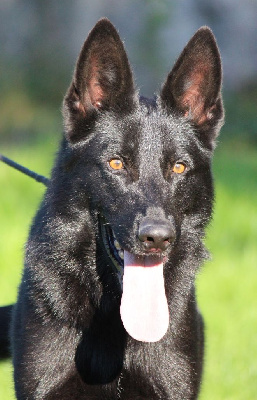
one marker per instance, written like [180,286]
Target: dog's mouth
[144,308]
[113,248]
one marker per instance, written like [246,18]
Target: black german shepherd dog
[106,308]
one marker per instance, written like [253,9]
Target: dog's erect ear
[193,87]
[102,81]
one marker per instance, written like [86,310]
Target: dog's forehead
[155,132]
[148,135]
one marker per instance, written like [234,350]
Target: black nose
[156,234]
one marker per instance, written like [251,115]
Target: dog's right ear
[102,81]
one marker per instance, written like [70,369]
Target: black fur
[5,318]
[68,340]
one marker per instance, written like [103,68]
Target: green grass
[20,196]
[226,285]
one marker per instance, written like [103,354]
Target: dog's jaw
[113,248]
[144,308]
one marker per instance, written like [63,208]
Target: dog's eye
[179,168]
[116,163]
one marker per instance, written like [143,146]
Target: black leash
[24,170]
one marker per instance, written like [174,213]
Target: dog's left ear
[193,87]
[102,81]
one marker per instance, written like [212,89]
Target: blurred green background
[39,44]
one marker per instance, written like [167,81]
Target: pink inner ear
[79,106]
[95,91]
[192,98]
[194,105]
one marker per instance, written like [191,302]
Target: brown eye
[179,168]
[116,164]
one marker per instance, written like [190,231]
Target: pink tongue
[144,309]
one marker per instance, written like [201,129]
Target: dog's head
[143,167]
